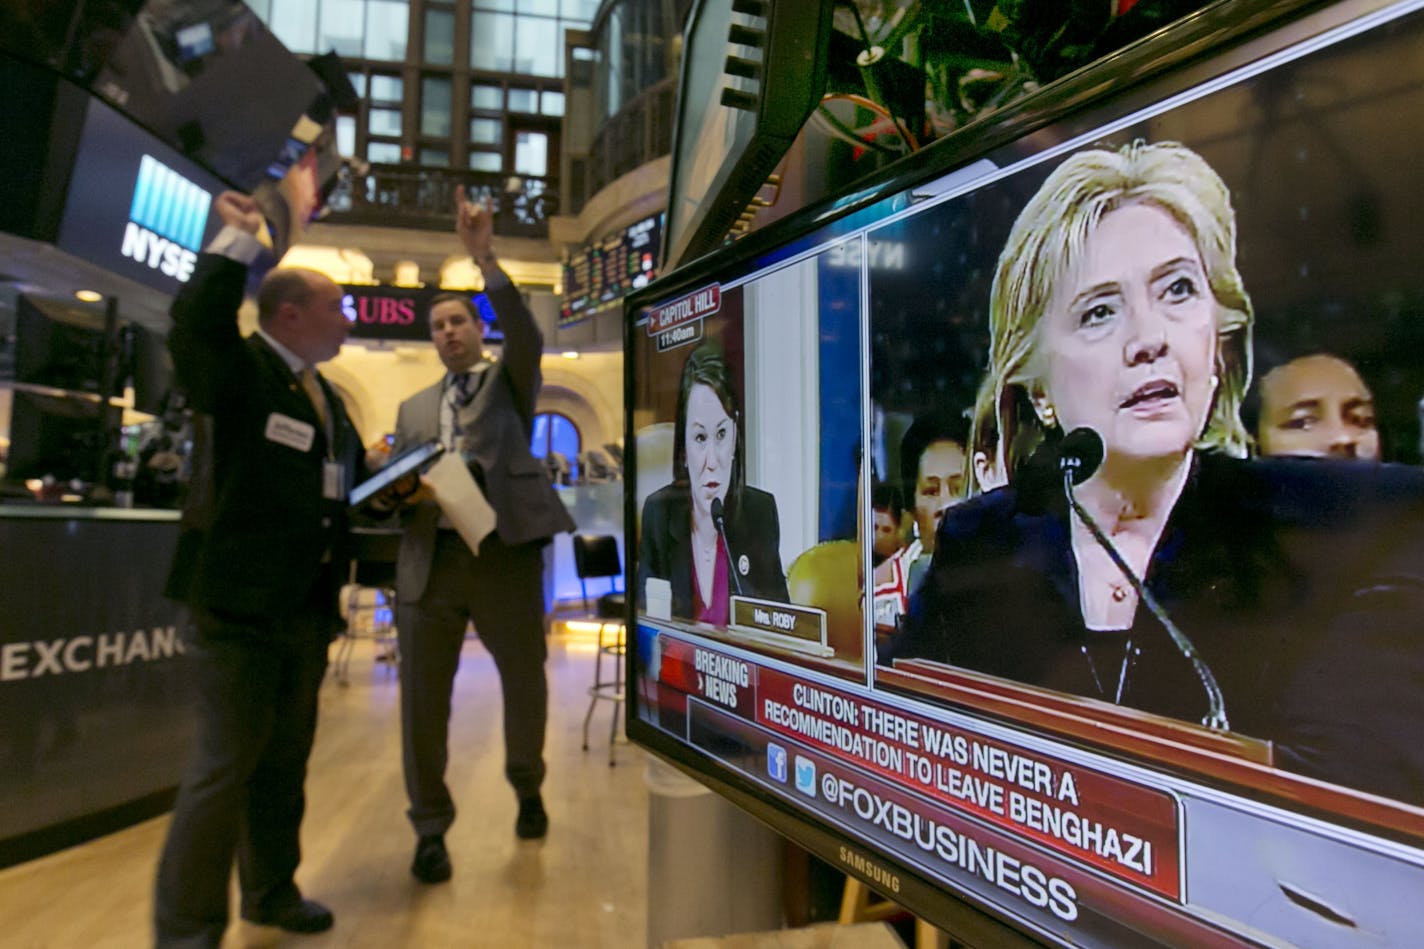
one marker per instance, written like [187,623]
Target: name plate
[806,623]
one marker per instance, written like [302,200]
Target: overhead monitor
[135,206]
[752,72]
[213,81]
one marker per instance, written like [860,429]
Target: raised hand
[239,210]
[474,223]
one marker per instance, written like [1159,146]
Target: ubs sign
[392,313]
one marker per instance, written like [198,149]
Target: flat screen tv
[64,438]
[64,344]
[1127,381]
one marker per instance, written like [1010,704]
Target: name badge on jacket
[292,432]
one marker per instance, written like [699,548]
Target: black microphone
[720,524]
[1079,455]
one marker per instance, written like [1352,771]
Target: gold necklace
[705,550]
[1128,655]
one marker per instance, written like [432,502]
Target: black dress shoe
[432,860]
[532,822]
[307,916]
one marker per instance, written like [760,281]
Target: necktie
[313,390]
[466,385]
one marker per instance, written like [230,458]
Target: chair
[368,600]
[595,556]
[368,611]
[828,576]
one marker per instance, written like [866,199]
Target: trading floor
[583,886]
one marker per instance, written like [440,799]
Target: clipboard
[408,462]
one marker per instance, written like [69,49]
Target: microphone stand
[719,522]
[1216,705]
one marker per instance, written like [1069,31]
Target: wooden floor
[583,886]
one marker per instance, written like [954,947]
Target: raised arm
[523,343]
[205,342]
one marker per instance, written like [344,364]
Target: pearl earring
[1050,417]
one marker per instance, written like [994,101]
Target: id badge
[333,481]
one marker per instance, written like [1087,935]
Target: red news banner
[1125,829]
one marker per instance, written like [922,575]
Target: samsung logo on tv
[876,873]
[167,219]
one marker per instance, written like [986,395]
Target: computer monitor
[65,438]
[63,345]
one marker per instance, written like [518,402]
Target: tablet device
[410,461]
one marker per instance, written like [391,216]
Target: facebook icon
[776,762]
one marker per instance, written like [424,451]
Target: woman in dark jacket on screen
[708,534]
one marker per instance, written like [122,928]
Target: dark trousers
[242,793]
[501,591]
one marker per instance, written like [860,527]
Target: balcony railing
[424,198]
[640,132]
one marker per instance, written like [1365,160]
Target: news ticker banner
[597,277]
[1131,832]
[1056,896]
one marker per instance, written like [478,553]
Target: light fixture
[570,354]
[89,296]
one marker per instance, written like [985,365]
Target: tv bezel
[1214,41]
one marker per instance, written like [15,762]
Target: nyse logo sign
[167,219]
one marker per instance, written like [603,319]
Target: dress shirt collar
[293,361]
[452,379]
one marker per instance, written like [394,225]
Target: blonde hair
[1048,240]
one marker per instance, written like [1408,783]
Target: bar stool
[596,555]
[367,601]
[369,612]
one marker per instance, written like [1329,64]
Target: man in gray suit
[483,410]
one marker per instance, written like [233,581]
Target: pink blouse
[718,611]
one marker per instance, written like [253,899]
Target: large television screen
[135,206]
[1043,530]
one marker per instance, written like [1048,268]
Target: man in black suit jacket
[485,411]
[256,566]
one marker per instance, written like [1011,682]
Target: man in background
[484,411]
[933,468]
[1317,406]
[886,513]
[265,529]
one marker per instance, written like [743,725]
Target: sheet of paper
[461,499]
